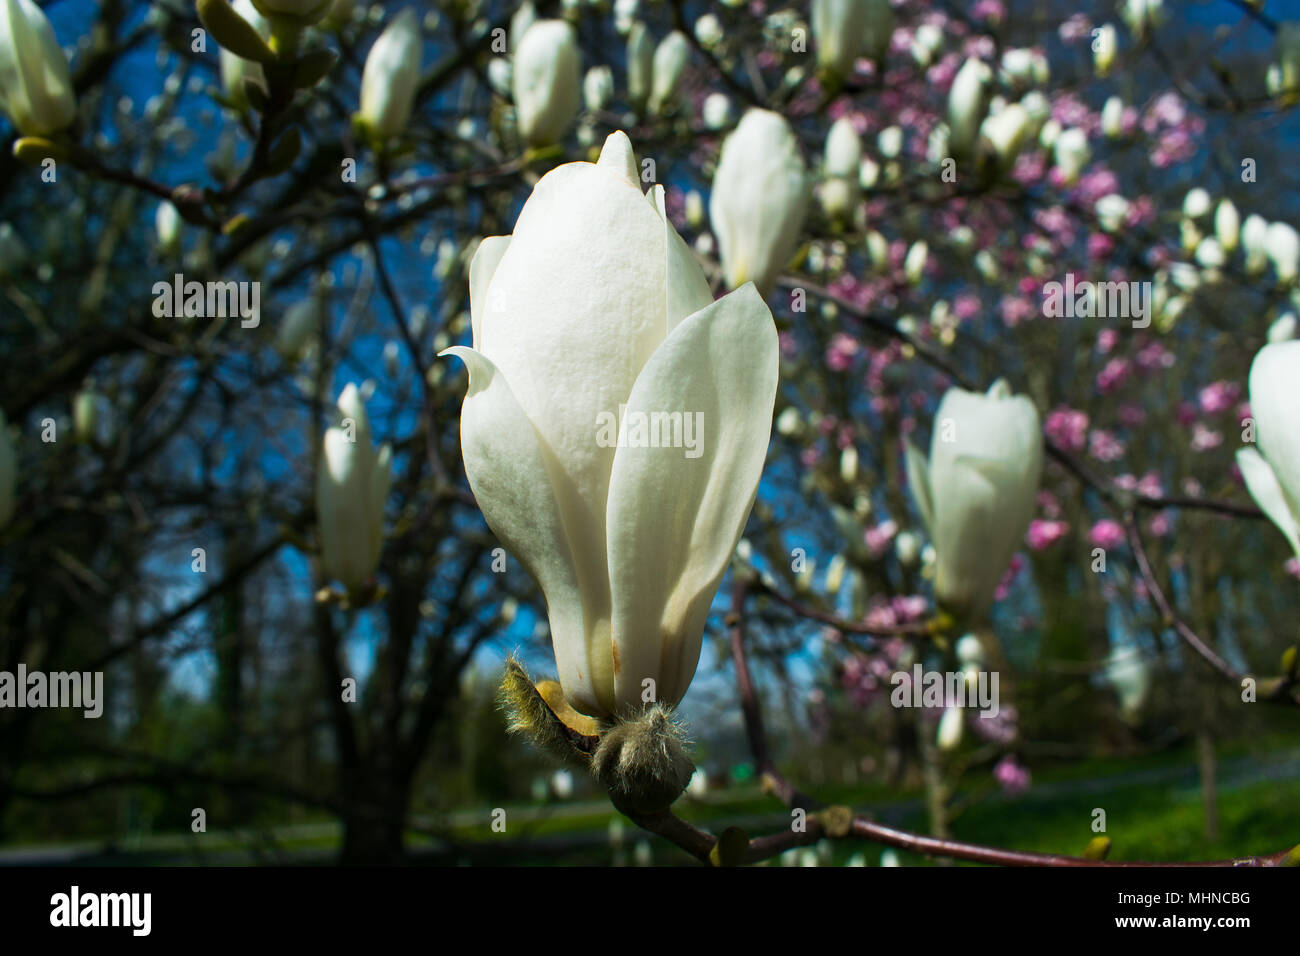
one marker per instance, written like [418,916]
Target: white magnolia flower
[967,102]
[520,21]
[547,82]
[1128,674]
[970,652]
[708,31]
[167,224]
[915,260]
[351,488]
[1112,211]
[500,73]
[759,199]
[1104,44]
[1142,15]
[235,69]
[1254,232]
[977,492]
[844,30]
[907,548]
[35,85]
[926,42]
[1282,245]
[1283,327]
[1209,254]
[1197,203]
[716,111]
[890,141]
[950,730]
[840,192]
[1071,153]
[640,64]
[590,320]
[301,321]
[1112,118]
[598,87]
[669,64]
[1227,225]
[391,76]
[1272,469]
[1006,132]
[1022,66]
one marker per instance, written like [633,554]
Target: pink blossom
[1106,533]
[1067,427]
[1104,446]
[1043,534]
[1113,375]
[1203,439]
[1011,776]
[878,537]
[1013,569]
[1218,397]
[841,352]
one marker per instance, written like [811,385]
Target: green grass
[1152,804]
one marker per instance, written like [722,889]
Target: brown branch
[879,833]
[1282,692]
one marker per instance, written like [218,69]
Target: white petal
[581,289]
[686,291]
[1261,482]
[674,520]
[1274,397]
[618,157]
[512,473]
[918,479]
[481,269]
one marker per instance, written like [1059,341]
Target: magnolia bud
[669,64]
[640,64]
[967,102]
[598,88]
[237,71]
[1254,231]
[1227,225]
[951,726]
[167,223]
[840,192]
[1282,244]
[1071,153]
[1103,49]
[759,200]
[390,78]
[1112,118]
[35,85]
[546,82]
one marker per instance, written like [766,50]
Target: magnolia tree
[948,346]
